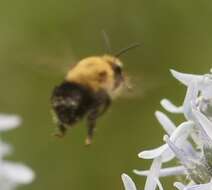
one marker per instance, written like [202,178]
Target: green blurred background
[40,39]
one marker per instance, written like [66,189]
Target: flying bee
[88,90]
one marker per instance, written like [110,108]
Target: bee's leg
[62,131]
[106,105]
[91,123]
[103,102]
[92,117]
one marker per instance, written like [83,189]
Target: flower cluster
[190,142]
[11,174]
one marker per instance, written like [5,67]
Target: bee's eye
[118,75]
[117,69]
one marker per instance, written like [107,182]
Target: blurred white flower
[12,174]
[190,143]
[8,122]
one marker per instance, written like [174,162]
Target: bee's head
[101,72]
[117,69]
[116,65]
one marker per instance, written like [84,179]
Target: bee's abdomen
[70,102]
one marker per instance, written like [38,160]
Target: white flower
[12,174]
[178,136]
[190,142]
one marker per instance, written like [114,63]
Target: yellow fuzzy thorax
[95,72]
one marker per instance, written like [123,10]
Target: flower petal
[191,96]
[159,184]
[151,181]
[8,122]
[5,149]
[150,154]
[170,107]
[204,122]
[166,123]
[207,186]
[178,136]
[172,171]
[179,185]
[128,182]
[16,173]
[207,92]
[181,155]
[186,79]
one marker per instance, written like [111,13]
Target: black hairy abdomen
[70,102]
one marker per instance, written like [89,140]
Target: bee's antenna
[106,41]
[124,50]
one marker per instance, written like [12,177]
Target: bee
[87,91]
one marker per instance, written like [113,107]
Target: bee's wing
[139,86]
[50,61]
